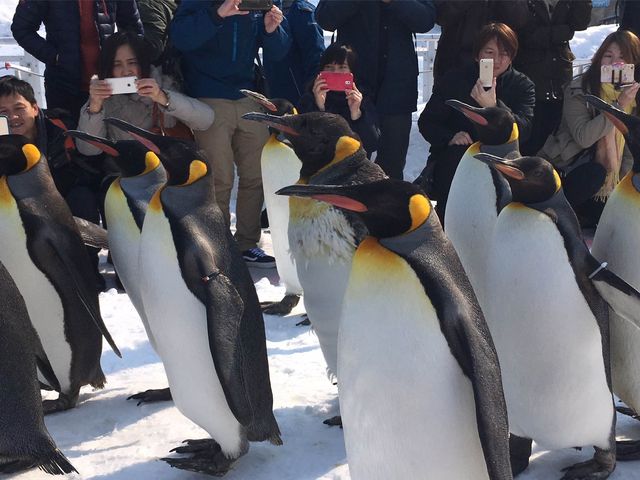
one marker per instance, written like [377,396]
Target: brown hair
[505,37]
[629,45]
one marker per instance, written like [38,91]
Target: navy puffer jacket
[60,51]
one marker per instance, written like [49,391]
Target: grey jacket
[138,111]
[580,128]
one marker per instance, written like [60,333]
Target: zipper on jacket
[234,51]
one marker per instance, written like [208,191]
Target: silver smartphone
[486,72]
[4,125]
[122,85]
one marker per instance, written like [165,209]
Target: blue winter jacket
[288,78]
[60,51]
[382,36]
[218,53]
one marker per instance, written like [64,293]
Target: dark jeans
[71,102]
[393,143]
[546,118]
[580,185]
[446,162]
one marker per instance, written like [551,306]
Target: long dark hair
[110,47]
[629,45]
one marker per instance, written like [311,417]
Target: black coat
[462,20]
[366,126]
[438,122]
[60,51]
[544,54]
[381,35]
[630,16]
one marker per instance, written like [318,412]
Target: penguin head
[17,154]
[181,159]
[275,106]
[628,125]
[319,139]
[131,157]
[532,179]
[494,125]
[388,208]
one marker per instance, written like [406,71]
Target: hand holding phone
[337,81]
[486,72]
[122,85]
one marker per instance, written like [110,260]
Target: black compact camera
[263,5]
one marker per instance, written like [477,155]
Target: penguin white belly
[407,408]
[43,302]
[471,217]
[280,168]
[323,247]
[616,242]
[547,338]
[179,324]
[124,245]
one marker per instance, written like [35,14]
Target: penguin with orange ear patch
[547,309]
[43,252]
[203,311]
[418,375]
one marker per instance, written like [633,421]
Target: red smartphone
[338,81]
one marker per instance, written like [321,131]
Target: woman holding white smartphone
[448,131]
[586,149]
[123,56]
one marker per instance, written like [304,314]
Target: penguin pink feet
[205,457]
[599,467]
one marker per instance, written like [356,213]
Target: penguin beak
[619,119]
[501,165]
[261,99]
[104,144]
[474,114]
[332,194]
[281,124]
[146,138]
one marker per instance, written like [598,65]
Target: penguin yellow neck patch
[5,194]
[197,170]
[557,179]
[155,203]
[419,209]
[515,133]
[151,162]
[31,154]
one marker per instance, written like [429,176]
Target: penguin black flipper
[462,323]
[84,298]
[92,235]
[619,295]
[45,368]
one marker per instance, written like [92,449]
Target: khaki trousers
[232,141]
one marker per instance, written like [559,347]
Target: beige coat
[580,128]
[138,111]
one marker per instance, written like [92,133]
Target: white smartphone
[486,72]
[628,73]
[606,74]
[122,85]
[4,125]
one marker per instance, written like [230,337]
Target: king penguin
[24,440]
[280,167]
[549,320]
[431,405]
[478,192]
[322,238]
[43,252]
[616,242]
[125,204]
[204,313]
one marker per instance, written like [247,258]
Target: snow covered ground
[107,437]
